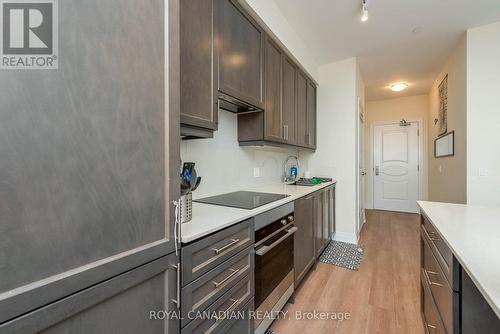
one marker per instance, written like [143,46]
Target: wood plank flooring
[382,297]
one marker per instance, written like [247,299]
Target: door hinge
[418,132]
[418,168]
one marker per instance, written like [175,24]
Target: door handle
[376,170]
[177,301]
[363,173]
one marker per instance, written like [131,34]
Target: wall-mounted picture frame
[444,146]
[443,106]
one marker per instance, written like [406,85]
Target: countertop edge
[480,287]
[254,212]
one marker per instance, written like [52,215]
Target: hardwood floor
[382,297]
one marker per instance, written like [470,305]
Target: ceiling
[387,47]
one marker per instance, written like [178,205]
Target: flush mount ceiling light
[364,11]
[398,86]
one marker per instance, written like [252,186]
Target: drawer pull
[429,279]
[234,272]
[229,309]
[232,243]
[427,326]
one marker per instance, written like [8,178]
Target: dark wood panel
[83,151]
[301,109]
[476,314]
[119,305]
[240,54]
[288,100]
[326,216]
[318,222]
[272,110]
[304,238]
[198,94]
[311,114]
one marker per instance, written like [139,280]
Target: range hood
[235,105]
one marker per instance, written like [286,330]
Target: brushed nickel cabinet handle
[234,272]
[220,250]
[177,301]
[429,279]
[427,326]
[229,309]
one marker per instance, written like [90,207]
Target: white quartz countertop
[473,235]
[209,218]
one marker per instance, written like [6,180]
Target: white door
[395,161]
[361,170]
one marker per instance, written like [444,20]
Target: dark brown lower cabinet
[451,303]
[304,238]
[318,222]
[476,314]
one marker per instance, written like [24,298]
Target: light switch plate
[256,172]
[483,172]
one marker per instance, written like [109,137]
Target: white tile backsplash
[225,166]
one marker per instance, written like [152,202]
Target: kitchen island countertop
[473,235]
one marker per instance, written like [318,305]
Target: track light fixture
[364,11]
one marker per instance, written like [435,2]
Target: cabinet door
[142,300]
[240,54]
[272,109]
[198,94]
[301,109]
[303,254]
[289,101]
[85,170]
[311,115]
[331,211]
[318,222]
[326,216]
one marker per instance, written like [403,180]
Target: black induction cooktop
[242,199]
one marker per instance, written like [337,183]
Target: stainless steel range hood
[235,105]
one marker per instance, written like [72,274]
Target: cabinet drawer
[201,256]
[198,295]
[441,251]
[243,324]
[433,276]
[430,315]
[233,300]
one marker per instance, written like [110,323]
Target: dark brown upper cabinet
[311,115]
[240,43]
[199,111]
[289,100]
[273,120]
[301,109]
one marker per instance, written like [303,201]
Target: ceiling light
[364,11]
[399,86]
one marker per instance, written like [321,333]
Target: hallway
[382,297]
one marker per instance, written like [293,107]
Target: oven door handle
[264,249]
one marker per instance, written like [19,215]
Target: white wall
[483,114]
[411,108]
[336,140]
[225,166]
[272,16]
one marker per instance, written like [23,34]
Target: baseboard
[345,237]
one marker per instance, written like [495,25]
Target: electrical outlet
[440,169]
[483,172]
[256,172]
